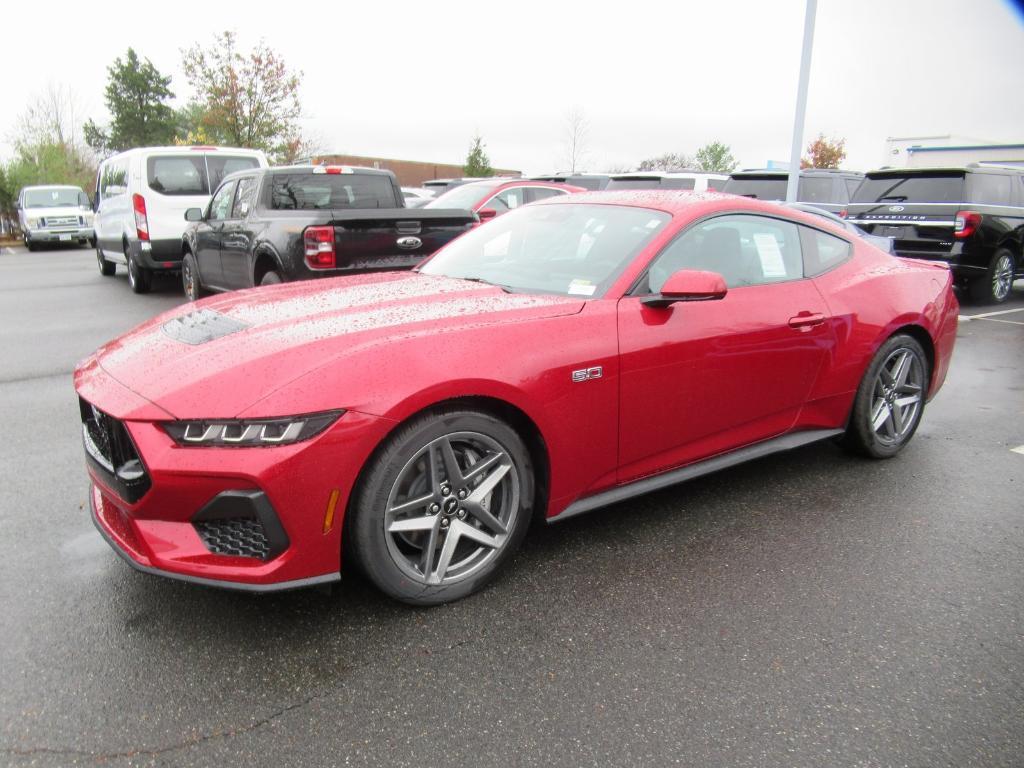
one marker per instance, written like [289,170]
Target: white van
[54,213]
[140,202]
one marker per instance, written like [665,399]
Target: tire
[890,400]
[271,278]
[31,246]
[139,278]
[484,513]
[191,281]
[996,285]
[107,268]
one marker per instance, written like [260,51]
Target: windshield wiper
[505,288]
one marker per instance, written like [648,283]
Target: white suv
[141,198]
[696,181]
[54,214]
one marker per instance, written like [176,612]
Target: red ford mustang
[568,355]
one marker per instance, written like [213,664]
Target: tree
[716,158]
[47,149]
[246,100]
[668,162]
[824,153]
[136,97]
[477,162]
[576,130]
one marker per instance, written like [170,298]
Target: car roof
[51,186]
[969,168]
[673,201]
[185,149]
[773,172]
[669,175]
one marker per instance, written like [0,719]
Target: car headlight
[250,432]
[33,223]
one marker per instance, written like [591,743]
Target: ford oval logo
[409,243]
[895,208]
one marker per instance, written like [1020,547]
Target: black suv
[971,217]
[821,187]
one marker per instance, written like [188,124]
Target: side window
[823,251]
[989,188]
[851,186]
[540,193]
[114,180]
[816,189]
[245,198]
[506,201]
[220,206]
[744,249]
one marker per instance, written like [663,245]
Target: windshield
[567,249]
[465,196]
[311,191]
[911,188]
[55,197]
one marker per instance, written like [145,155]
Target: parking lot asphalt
[807,609]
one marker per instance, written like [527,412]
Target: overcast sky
[416,80]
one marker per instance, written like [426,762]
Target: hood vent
[201,326]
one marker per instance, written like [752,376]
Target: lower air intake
[240,536]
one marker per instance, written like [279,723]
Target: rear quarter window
[990,188]
[817,189]
[822,251]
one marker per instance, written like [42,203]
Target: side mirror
[688,285]
[486,213]
[194,214]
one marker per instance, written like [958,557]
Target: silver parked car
[55,214]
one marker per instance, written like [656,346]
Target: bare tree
[576,130]
[53,118]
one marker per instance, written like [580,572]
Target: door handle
[806,320]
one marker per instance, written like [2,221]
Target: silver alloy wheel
[451,508]
[1002,277]
[132,271]
[897,396]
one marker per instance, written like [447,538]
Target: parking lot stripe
[984,315]
[1018,449]
[997,320]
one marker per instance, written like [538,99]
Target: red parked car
[493,197]
[566,356]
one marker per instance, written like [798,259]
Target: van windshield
[55,197]
[193,174]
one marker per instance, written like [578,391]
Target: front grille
[112,453]
[61,221]
[237,536]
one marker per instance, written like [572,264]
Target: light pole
[801,102]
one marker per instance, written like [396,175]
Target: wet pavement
[807,609]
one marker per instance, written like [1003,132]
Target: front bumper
[159,534]
[65,235]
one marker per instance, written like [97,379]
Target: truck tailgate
[395,238]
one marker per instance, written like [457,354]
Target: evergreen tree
[716,157]
[477,162]
[136,96]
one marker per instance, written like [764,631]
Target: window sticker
[581,288]
[653,223]
[768,251]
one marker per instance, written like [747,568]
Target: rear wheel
[995,286]
[107,268]
[139,278]
[890,399]
[271,278]
[190,279]
[442,507]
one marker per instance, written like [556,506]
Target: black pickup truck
[273,225]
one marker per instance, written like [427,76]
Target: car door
[209,232]
[701,378]
[236,237]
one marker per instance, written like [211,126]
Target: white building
[948,151]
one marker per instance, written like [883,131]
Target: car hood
[217,357]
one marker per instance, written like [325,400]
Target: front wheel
[890,399]
[995,286]
[442,507]
[190,279]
